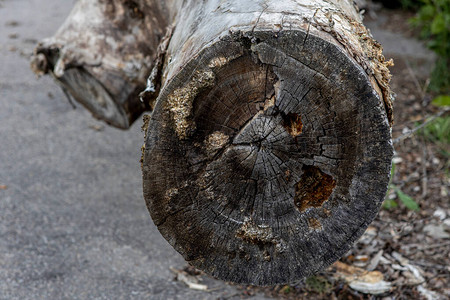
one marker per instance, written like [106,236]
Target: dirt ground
[73,223]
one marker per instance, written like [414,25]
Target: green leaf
[407,200]
[426,12]
[443,100]
[389,204]
[318,284]
[438,132]
[392,171]
[438,24]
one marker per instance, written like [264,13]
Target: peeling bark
[268,149]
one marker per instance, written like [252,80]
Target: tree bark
[103,53]
[268,150]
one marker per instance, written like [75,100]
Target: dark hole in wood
[313,189]
[134,10]
[293,123]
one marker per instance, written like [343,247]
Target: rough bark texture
[268,149]
[103,53]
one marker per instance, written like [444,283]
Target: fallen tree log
[103,53]
[268,149]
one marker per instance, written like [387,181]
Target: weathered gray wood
[268,149]
[103,54]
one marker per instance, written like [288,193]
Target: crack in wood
[293,123]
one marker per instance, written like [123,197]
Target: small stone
[446,224]
[12,24]
[397,160]
[435,161]
[440,213]
[392,196]
[406,130]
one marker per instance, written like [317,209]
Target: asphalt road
[73,222]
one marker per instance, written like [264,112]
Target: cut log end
[266,157]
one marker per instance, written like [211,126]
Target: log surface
[268,151]
[103,53]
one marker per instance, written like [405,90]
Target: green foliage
[390,204]
[409,202]
[286,289]
[410,4]
[440,76]
[433,19]
[318,284]
[392,173]
[441,101]
[438,132]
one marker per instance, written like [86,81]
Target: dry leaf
[436,231]
[189,280]
[368,282]
[429,295]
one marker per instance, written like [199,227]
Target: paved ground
[73,222]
